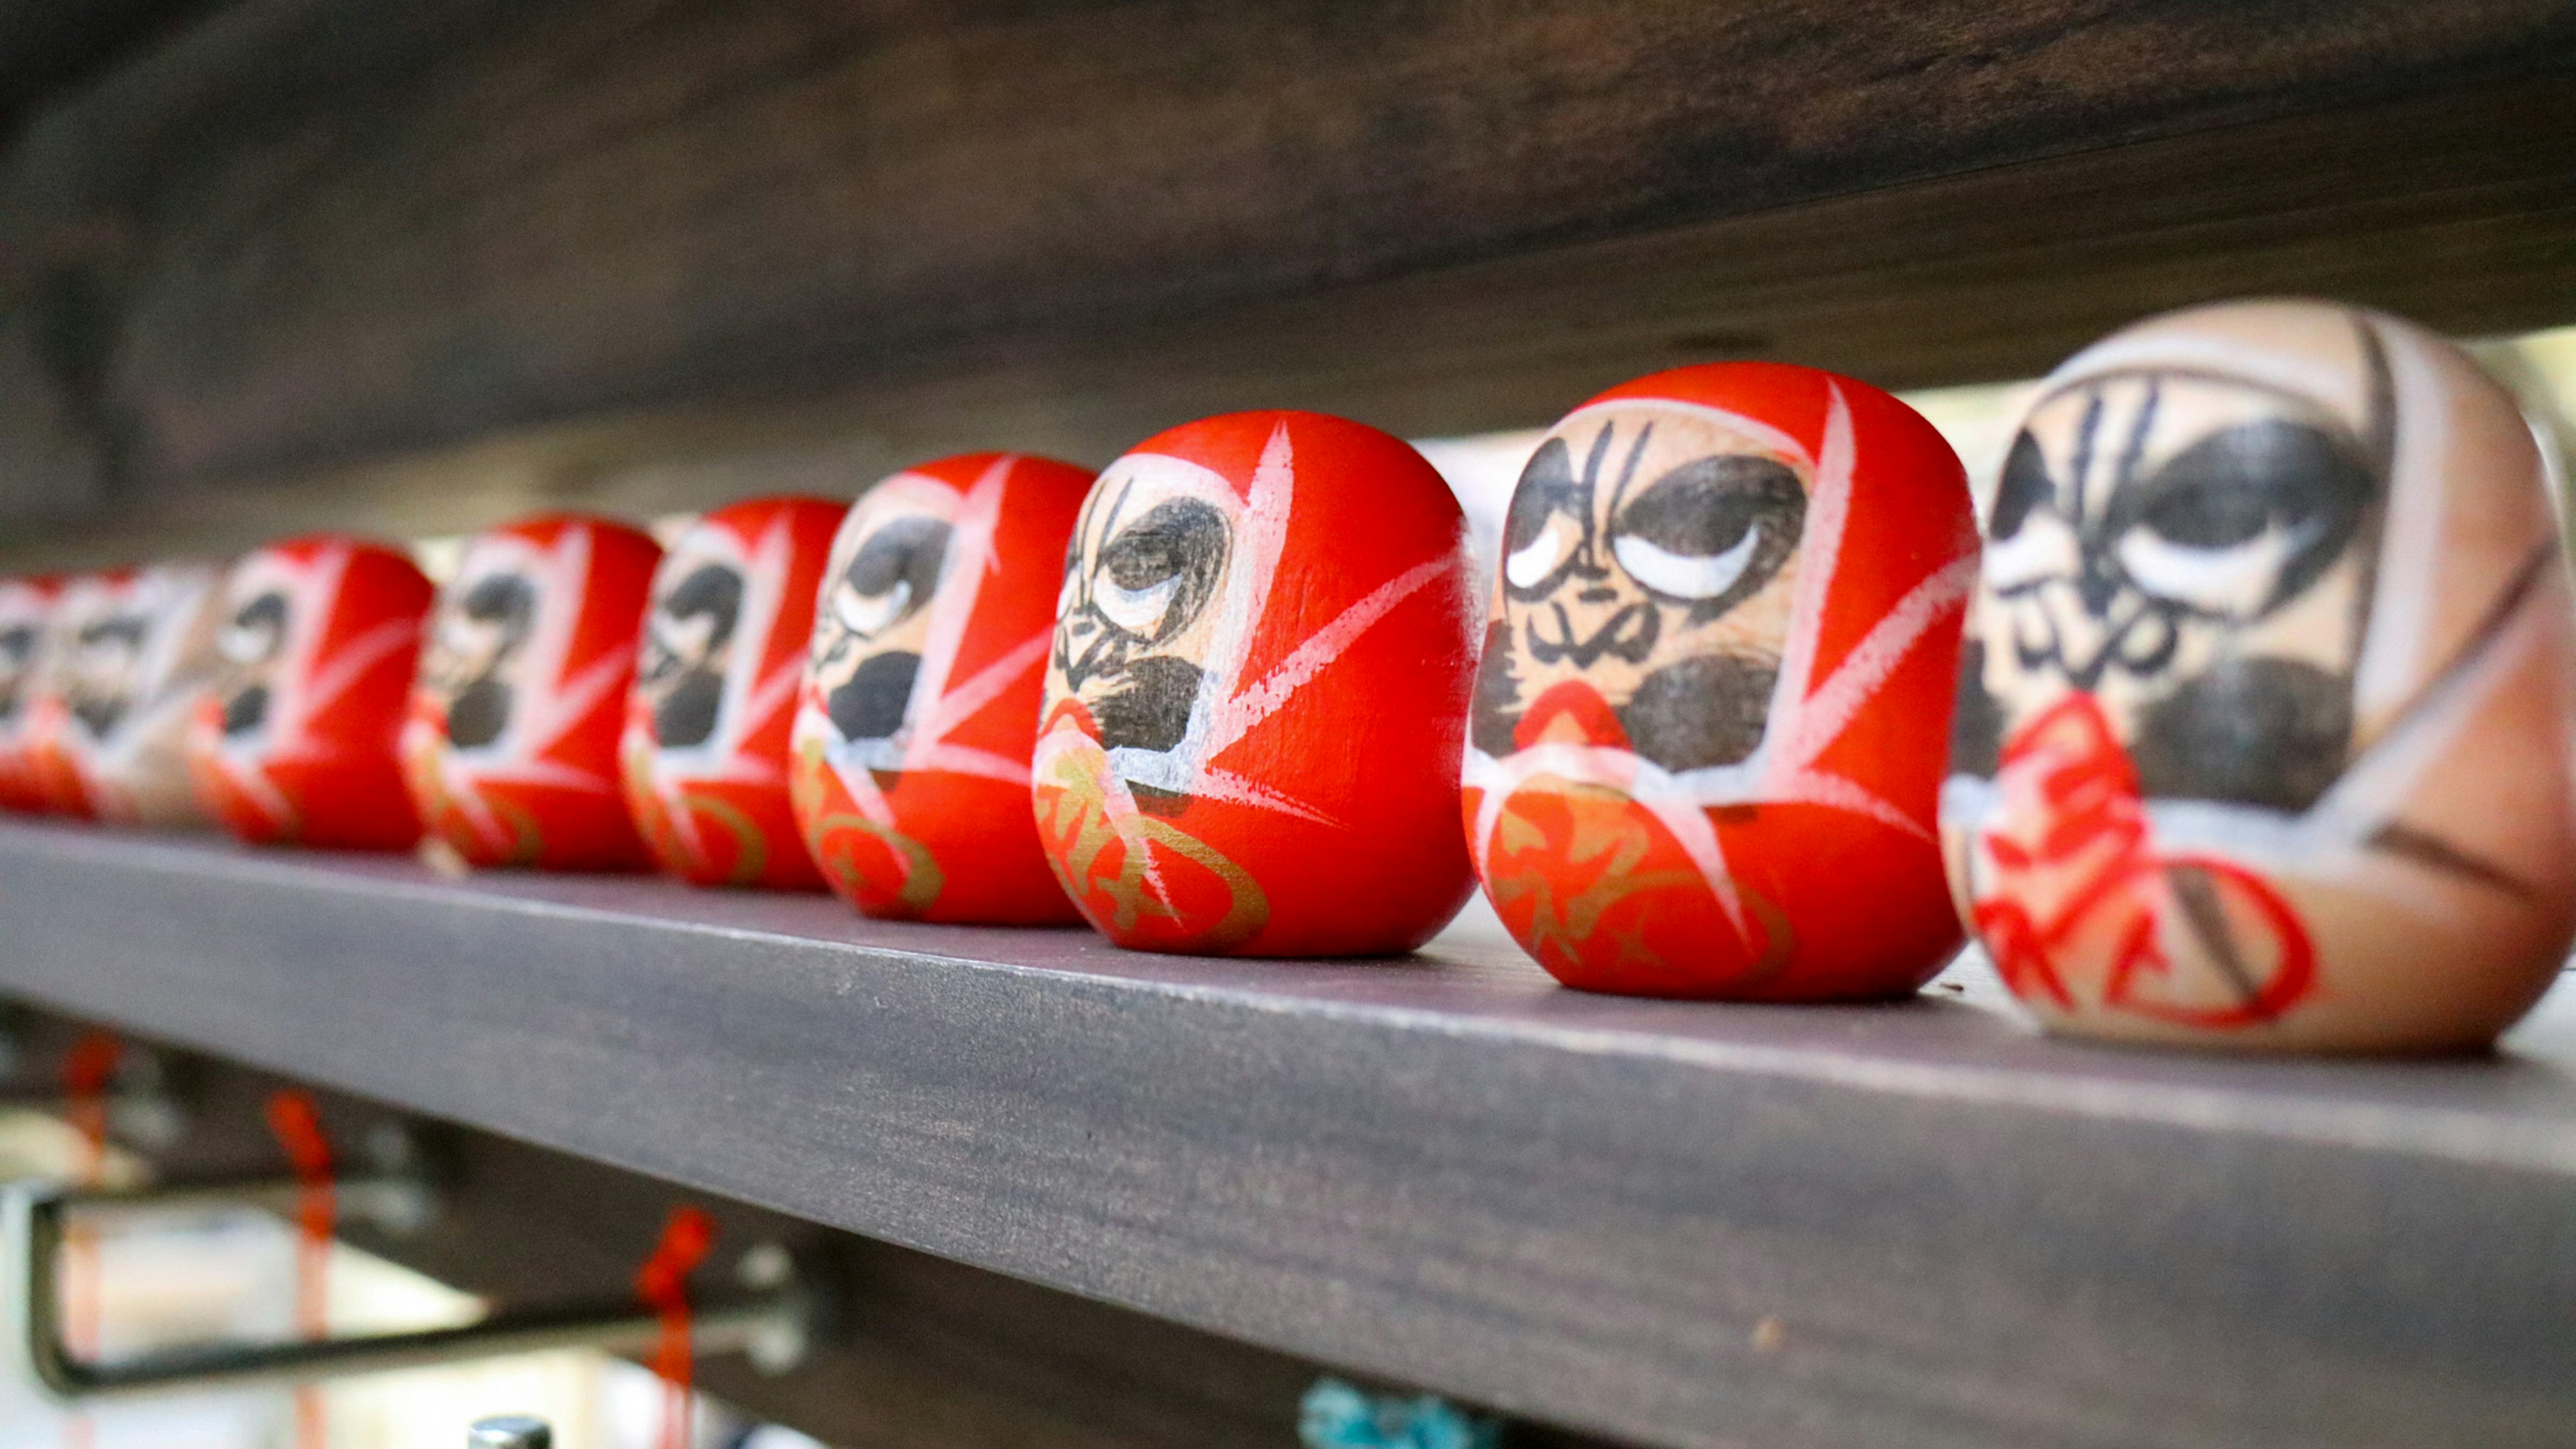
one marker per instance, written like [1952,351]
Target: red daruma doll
[296,742]
[921,698]
[705,748]
[511,748]
[26,622]
[1257,694]
[1708,730]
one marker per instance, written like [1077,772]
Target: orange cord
[88,1069]
[663,1284]
[298,1126]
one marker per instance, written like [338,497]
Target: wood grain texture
[1443,1171]
[46,45]
[324,229]
[2457,209]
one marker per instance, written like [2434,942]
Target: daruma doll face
[49,732]
[511,747]
[705,748]
[1706,751]
[1256,693]
[297,741]
[2263,729]
[131,663]
[922,689]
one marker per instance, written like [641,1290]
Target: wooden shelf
[1683,1224]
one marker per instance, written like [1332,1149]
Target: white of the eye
[1685,575]
[1536,559]
[865,614]
[2044,548]
[1138,611]
[685,638]
[239,645]
[458,633]
[2235,580]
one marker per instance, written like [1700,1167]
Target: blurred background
[411,269]
[180,1277]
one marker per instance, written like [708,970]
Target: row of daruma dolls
[2246,720]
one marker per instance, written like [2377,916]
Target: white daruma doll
[1258,694]
[921,693]
[130,664]
[2263,729]
[44,734]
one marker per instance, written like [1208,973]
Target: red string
[663,1284]
[298,1126]
[88,1069]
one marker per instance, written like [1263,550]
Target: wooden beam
[48,44]
[311,232]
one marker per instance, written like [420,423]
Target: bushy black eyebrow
[713,592]
[1628,472]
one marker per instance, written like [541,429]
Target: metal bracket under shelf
[771,1317]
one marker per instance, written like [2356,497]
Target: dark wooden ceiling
[315,230]
[47,46]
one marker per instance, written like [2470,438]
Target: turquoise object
[1335,1415]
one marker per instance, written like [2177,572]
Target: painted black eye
[256,630]
[708,602]
[2243,519]
[486,625]
[1711,532]
[712,590]
[124,632]
[891,576]
[2226,488]
[503,599]
[1546,525]
[17,645]
[1160,571]
[2024,487]
[692,623]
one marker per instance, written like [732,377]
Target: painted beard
[1149,708]
[246,711]
[1684,716]
[2192,554]
[685,715]
[99,713]
[478,713]
[871,703]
